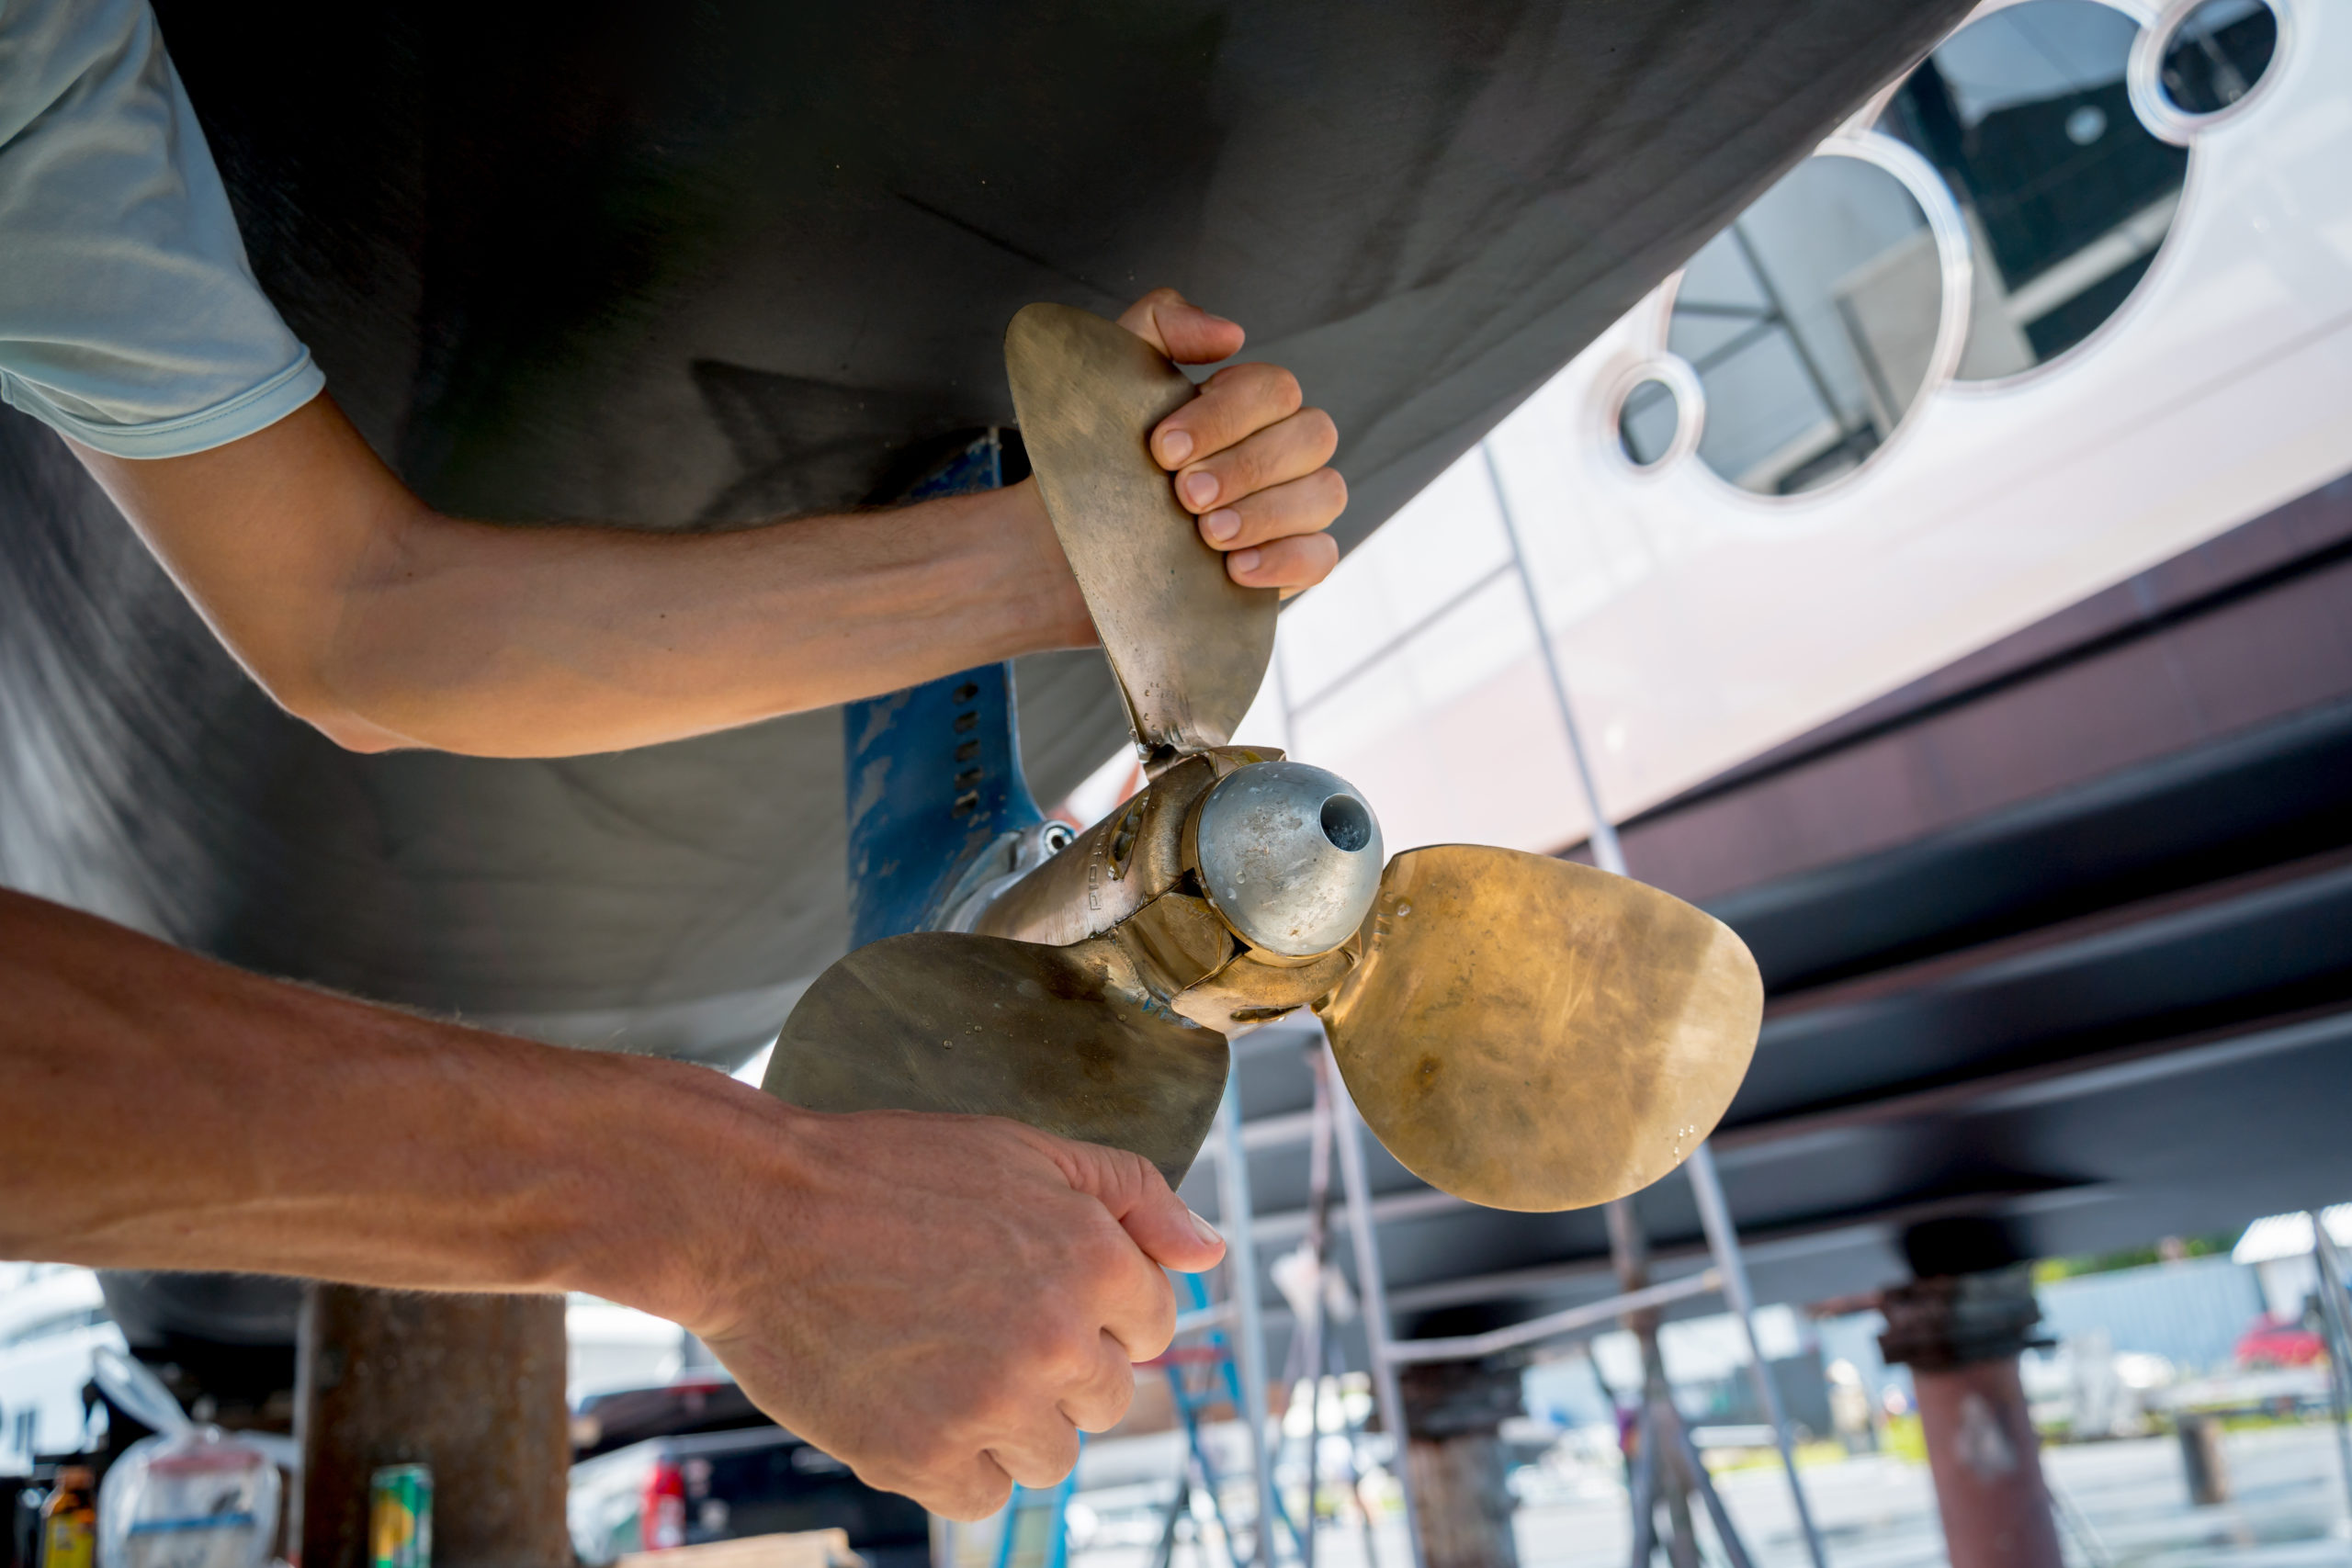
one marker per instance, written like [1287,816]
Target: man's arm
[942,1307]
[386,624]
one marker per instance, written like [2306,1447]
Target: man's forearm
[546,642]
[939,1300]
[387,623]
[169,1113]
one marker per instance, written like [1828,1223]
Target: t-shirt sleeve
[130,318]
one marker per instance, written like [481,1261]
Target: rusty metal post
[1455,1412]
[472,1385]
[1961,1336]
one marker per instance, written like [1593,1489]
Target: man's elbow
[306,694]
[354,734]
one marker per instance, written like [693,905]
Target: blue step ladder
[1225,1380]
[1036,1525]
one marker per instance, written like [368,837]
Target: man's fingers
[1036,1448]
[1182,329]
[1291,449]
[1170,1233]
[1138,1306]
[1302,506]
[1234,403]
[1041,1454]
[1098,1403]
[1248,459]
[1287,564]
[969,1488]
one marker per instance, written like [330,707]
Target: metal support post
[2335,1310]
[1609,854]
[1455,1412]
[1241,1276]
[1961,1335]
[2201,1464]
[1371,1289]
[1722,1240]
[470,1385]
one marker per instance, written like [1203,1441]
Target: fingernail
[1244,560]
[1222,524]
[1200,488]
[1206,1231]
[1175,446]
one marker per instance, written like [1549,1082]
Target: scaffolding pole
[1372,1287]
[1606,853]
[1609,854]
[1722,1240]
[2335,1311]
[1553,1325]
[1241,1281]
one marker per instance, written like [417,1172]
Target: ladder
[1036,1525]
[1215,1356]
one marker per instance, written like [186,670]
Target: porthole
[2028,115]
[1812,322]
[2217,54]
[1648,418]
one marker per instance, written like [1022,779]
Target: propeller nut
[1290,855]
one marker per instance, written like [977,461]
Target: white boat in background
[52,1317]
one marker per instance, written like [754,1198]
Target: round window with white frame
[1986,215]
[1816,320]
[2066,169]
[1648,418]
[2212,55]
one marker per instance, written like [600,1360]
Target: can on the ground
[69,1520]
[399,1517]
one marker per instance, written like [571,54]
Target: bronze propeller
[1519,1031]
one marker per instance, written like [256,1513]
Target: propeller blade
[1530,1034]
[1052,1036]
[1187,644]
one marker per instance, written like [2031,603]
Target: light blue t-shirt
[130,318]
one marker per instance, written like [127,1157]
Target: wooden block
[805,1549]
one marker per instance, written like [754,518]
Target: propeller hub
[1290,855]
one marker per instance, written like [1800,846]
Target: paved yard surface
[2128,1498]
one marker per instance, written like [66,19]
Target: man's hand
[1248,461]
[941,1302]
[944,1302]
